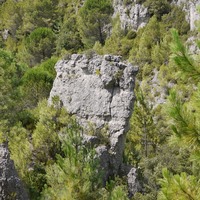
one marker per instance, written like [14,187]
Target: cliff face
[98,91]
[10,185]
[190,7]
[193,14]
[134,15]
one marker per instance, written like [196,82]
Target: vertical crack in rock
[11,186]
[99,90]
[111,99]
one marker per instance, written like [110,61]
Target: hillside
[76,119]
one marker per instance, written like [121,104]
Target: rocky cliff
[134,15]
[191,9]
[10,185]
[98,90]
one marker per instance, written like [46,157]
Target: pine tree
[93,18]
[68,36]
[76,174]
[142,136]
[37,83]
[184,116]
[11,73]
[179,187]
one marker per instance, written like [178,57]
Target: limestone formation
[132,15]
[11,186]
[99,91]
[190,7]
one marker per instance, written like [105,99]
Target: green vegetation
[184,116]
[93,17]
[46,142]
[39,45]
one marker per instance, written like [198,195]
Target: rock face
[190,7]
[193,14]
[99,91]
[10,185]
[132,15]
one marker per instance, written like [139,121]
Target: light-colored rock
[5,34]
[133,183]
[99,91]
[190,7]
[194,15]
[192,45]
[11,186]
[132,16]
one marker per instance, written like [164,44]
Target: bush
[131,35]
[158,7]
[40,45]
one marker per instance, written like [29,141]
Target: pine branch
[183,61]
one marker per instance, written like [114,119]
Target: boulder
[11,186]
[99,90]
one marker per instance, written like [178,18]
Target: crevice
[111,99]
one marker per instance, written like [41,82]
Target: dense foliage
[46,142]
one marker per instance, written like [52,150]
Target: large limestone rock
[98,91]
[10,185]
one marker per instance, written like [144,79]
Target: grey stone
[133,183]
[192,45]
[103,96]
[5,34]
[132,174]
[190,7]
[132,16]
[194,15]
[11,186]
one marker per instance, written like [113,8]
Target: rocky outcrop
[10,185]
[194,15]
[132,15]
[190,7]
[99,91]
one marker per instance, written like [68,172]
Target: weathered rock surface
[190,7]
[99,91]
[193,14]
[11,186]
[132,16]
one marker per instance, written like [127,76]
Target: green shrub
[131,35]
[40,45]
